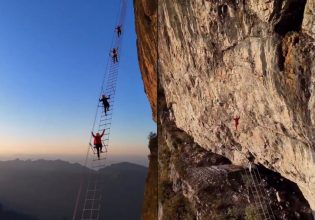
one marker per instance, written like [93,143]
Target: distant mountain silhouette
[47,189]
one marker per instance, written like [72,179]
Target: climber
[105,102]
[118,30]
[236,120]
[115,55]
[98,142]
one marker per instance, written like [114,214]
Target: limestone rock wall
[224,59]
[196,184]
[146,28]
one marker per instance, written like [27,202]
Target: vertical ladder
[263,208]
[90,202]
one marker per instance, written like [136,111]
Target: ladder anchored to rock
[262,204]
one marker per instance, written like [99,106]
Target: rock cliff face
[252,60]
[146,28]
[237,78]
[196,184]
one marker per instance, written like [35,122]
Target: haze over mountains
[77,158]
[47,190]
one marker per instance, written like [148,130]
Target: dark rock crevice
[294,82]
[288,193]
[288,16]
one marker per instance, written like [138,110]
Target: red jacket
[98,138]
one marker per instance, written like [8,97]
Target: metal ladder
[88,206]
[262,207]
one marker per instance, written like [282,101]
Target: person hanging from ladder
[118,30]
[115,55]
[98,145]
[105,102]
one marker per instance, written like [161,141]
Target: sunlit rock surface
[146,28]
[220,60]
[195,183]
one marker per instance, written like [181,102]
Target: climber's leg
[98,152]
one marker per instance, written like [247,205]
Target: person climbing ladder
[98,145]
[89,203]
[115,55]
[105,102]
[118,30]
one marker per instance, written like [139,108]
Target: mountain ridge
[47,189]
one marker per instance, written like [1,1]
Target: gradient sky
[52,59]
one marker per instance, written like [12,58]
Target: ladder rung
[110,89]
[103,158]
[106,134]
[93,199]
[103,128]
[105,116]
[95,153]
[108,114]
[103,165]
[92,190]
[110,86]
[107,119]
[104,125]
[111,83]
[114,67]
[112,77]
[90,210]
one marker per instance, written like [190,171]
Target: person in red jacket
[115,55]
[98,142]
